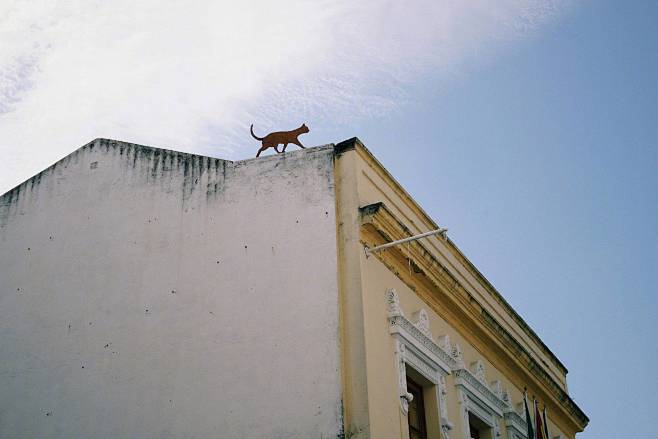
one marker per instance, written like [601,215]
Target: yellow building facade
[153,293]
[429,347]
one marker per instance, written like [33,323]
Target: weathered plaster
[151,293]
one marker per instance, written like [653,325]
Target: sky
[528,128]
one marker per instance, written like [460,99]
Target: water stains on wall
[202,176]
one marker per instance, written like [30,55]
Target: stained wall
[150,293]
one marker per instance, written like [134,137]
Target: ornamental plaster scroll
[393,303]
[477,368]
[422,322]
[458,356]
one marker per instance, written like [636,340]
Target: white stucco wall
[152,294]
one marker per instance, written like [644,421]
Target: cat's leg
[262,148]
[285,145]
[298,143]
[276,148]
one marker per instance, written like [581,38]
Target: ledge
[380,218]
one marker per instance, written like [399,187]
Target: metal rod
[402,241]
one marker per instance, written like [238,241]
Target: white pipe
[402,241]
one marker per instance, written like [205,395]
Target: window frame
[418,398]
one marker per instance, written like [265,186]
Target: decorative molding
[458,356]
[505,397]
[446,425]
[496,428]
[471,402]
[520,410]
[444,343]
[408,332]
[414,346]
[405,397]
[379,219]
[477,368]
[566,402]
[497,388]
[371,214]
[476,397]
[423,322]
[515,422]
[466,379]
[393,303]
[463,411]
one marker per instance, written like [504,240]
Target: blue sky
[529,128]
[543,162]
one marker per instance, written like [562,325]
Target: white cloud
[190,74]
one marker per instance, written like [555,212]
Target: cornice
[534,366]
[403,195]
[388,226]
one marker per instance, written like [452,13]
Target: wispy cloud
[195,73]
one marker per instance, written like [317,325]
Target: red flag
[539,427]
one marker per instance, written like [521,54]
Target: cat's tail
[252,133]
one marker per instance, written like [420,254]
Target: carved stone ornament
[520,410]
[415,348]
[446,425]
[393,303]
[472,402]
[477,368]
[505,396]
[496,428]
[444,343]
[458,356]
[405,397]
[422,322]
[515,422]
[497,388]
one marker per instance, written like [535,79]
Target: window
[416,416]
[478,429]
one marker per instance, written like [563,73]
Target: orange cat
[273,140]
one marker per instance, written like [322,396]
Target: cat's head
[304,128]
